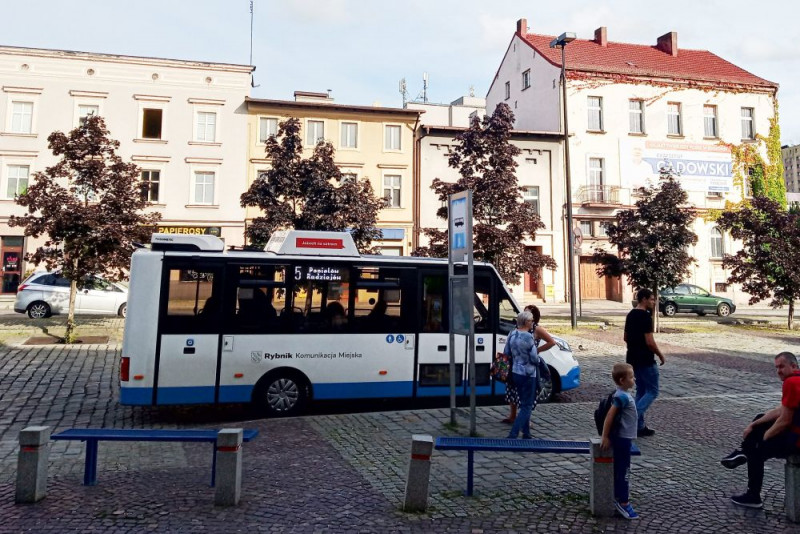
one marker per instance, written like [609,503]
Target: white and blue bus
[307,318]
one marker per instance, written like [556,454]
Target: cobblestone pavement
[345,472]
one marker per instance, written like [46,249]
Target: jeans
[526,389]
[759,451]
[646,389]
[622,467]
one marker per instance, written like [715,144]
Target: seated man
[775,434]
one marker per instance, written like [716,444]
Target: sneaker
[626,510]
[734,459]
[645,432]
[747,500]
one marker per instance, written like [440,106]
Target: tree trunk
[655,312]
[791,314]
[69,333]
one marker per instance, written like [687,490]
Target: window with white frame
[203,187]
[526,79]
[717,248]
[151,123]
[674,126]
[315,132]
[595,105]
[267,127]
[636,116]
[87,110]
[602,229]
[22,117]
[391,136]
[508,90]
[349,177]
[17,182]
[151,182]
[586,228]
[710,121]
[206,128]
[595,191]
[530,195]
[392,189]
[349,135]
[748,128]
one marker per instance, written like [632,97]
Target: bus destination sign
[331,274]
[319,242]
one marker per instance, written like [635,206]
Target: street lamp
[561,41]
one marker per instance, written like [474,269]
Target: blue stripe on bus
[444,391]
[572,379]
[136,396]
[362,390]
[186,395]
[235,393]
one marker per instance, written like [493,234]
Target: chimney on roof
[522,26]
[601,36]
[308,96]
[668,43]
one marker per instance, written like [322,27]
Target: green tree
[484,157]
[652,240]
[310,193]
[767,264]
[88,207]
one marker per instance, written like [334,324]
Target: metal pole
[570,232]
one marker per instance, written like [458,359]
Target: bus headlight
[562,344]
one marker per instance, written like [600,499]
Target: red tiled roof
[643,60]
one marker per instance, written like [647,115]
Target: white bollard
[419,474]
[32,464]
[229,467]
[601,481]
[792,478]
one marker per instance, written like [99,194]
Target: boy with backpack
[619,431]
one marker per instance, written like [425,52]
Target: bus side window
[379,301]
[260,298]
[193,300]
[434,289]
[482,304]
[320,295]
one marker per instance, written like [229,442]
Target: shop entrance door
[12,263]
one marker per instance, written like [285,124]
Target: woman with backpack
[539,333]
[525,360]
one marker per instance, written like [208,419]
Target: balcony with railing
[599,195]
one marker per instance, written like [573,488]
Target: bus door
[257,329]
[189,333]
[485,316]
[433,339]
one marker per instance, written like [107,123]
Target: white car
[44,294]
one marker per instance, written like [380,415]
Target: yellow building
[376,143]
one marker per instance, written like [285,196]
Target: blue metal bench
[94,435]
[509,445]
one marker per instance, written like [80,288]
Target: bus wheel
[282,394]
[548,388]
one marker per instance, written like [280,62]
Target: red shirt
[791,399]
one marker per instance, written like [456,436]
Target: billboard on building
[702,167]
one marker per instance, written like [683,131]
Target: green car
[693,299]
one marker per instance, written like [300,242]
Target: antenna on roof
[252,76]
[402,89]
[425,87]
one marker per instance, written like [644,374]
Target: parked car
[692,299]
[44,294]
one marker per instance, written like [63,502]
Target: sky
[360,49]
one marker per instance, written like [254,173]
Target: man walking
[642,350]
[775,434]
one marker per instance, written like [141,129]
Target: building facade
[370,142]
[633,109]
[791,167]
[539,173]
[181,122]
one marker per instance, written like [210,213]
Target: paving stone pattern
[345,472]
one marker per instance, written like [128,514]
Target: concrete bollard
[229,467]
[32,464]
[419,474]
[601,481]
[792,477]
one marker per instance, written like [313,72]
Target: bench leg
[90,466]
[470,468]
[213,463]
